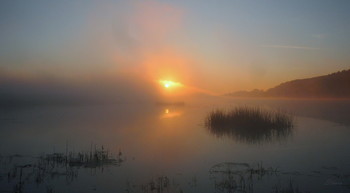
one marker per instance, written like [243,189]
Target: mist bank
[335,85]
[45,90]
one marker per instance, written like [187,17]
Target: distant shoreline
[289,98]
[331,86]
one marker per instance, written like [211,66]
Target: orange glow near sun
[170,84]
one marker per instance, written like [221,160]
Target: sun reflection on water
[167,113]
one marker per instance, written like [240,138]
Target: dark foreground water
[160,148]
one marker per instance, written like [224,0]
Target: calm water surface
[163,148]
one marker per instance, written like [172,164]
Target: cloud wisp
[290,47]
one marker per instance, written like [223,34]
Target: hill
[335,85]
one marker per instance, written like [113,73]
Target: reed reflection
[22,172]
[250,125]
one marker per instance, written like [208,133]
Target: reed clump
[250,124]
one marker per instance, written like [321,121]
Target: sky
[208,46]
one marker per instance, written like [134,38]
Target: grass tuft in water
[249,124]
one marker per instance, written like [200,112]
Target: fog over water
[174,96]
[171,142]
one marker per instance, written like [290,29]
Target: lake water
[167,148]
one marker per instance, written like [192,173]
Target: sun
[169,83]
